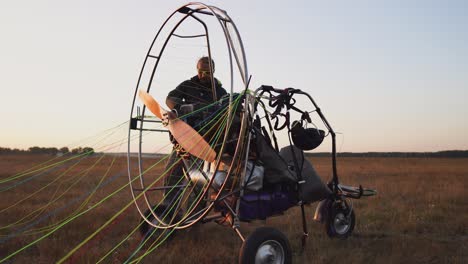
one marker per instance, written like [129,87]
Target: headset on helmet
[306,138]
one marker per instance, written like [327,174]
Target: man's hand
[187,108]
[171,102]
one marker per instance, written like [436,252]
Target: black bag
[313,188]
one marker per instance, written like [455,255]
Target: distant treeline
[438,154]
[89,150]
[50,151]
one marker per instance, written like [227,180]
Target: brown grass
[419,216]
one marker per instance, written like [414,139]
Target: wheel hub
[270,252]
[341,223]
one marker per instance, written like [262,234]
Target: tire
[340,221]
[265,245]
[148,231]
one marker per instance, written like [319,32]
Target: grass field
[419,215]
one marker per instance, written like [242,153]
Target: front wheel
[265,245]
[340,222]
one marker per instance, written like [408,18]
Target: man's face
[204,73]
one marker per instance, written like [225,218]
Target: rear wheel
[266,245]
[341,220]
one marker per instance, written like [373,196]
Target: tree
[35,150]
[64,150]
[85,150]
[77,150]
[88,150]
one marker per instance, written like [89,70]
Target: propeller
[188,138]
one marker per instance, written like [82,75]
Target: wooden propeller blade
[188,138]
[152,105]
[191,140]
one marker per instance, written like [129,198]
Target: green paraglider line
[152,248]
[70,219]
[111,219]
[102,201]
[32,170]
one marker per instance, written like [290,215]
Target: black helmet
[306,138]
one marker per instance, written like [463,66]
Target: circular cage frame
[237,58]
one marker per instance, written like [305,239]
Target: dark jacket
[194,92]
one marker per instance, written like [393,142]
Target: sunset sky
[389,75]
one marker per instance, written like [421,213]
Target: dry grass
[419,216]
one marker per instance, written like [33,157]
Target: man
[198,91]
[188,96]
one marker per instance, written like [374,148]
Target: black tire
[147,230]
[265,245]
[340,221]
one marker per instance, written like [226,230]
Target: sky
[388,75]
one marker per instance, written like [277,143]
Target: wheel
[265,245]
[340,221]
[148,231]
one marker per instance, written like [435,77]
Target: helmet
[306,138]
